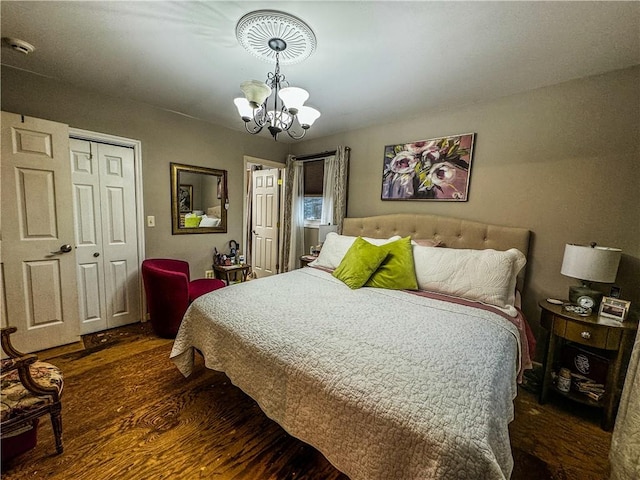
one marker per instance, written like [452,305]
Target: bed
[386,383]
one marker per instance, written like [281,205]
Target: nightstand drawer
[592,335]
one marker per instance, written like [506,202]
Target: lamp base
[576,292]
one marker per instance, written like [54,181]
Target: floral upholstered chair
[30,389]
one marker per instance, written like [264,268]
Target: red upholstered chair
[169,292]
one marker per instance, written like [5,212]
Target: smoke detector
[19,45]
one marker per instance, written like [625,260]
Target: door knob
[96,254]
[66,248]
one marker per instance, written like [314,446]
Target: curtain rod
[317,156]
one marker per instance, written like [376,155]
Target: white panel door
[38,258]
[265,222]
[106,234]
[88,235]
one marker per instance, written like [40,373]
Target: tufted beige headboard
[453,232]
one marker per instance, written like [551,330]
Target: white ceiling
[375,62]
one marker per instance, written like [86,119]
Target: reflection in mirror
[198,199]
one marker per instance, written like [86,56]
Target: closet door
[88,236]
[119,234]
[106,234]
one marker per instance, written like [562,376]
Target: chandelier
[275,35]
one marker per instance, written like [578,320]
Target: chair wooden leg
[56,423]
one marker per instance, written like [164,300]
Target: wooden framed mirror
[198,199]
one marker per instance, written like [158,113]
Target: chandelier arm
[297,137]
[260,116]
[288,119]
[253,131]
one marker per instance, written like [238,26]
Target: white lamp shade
[597,264]
[255,91]
[244,107]
[307,115]
[293,97]
[323,230]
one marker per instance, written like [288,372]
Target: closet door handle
[96,254]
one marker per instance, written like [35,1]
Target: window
[312,208]
[313,183]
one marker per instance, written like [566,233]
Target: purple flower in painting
[403,162]
[446,177]
[398,182]
[416,148]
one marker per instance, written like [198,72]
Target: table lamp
[589,263]
[323,230]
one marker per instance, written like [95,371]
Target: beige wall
[166,137]
[562,161]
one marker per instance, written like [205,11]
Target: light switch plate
[151,221]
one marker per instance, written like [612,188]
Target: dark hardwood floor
[129,414]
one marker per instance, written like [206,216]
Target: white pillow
[335,248]
[486,276]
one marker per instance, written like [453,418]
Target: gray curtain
[625,441]
[297,216]
[341,185]
[286,214]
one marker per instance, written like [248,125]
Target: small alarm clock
[585,301]
[591,297]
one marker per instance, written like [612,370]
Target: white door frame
[137,158]
[271,164]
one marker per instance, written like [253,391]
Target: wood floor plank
[129,414]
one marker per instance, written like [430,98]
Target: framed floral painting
[435,169]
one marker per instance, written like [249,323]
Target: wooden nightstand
[307,259]
[611,340]
[225,272]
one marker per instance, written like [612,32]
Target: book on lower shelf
[587,386]
[588,371]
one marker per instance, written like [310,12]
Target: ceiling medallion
[257,29]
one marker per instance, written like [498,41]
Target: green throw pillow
[360,261]
[398,271]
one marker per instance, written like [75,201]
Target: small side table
[225,272]
[307,259]
[612,340]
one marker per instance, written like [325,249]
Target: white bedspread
[386,384]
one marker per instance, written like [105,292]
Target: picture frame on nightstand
[614,308]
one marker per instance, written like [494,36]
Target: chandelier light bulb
[255,91]
[307,115]
[244,108]
[293,98]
